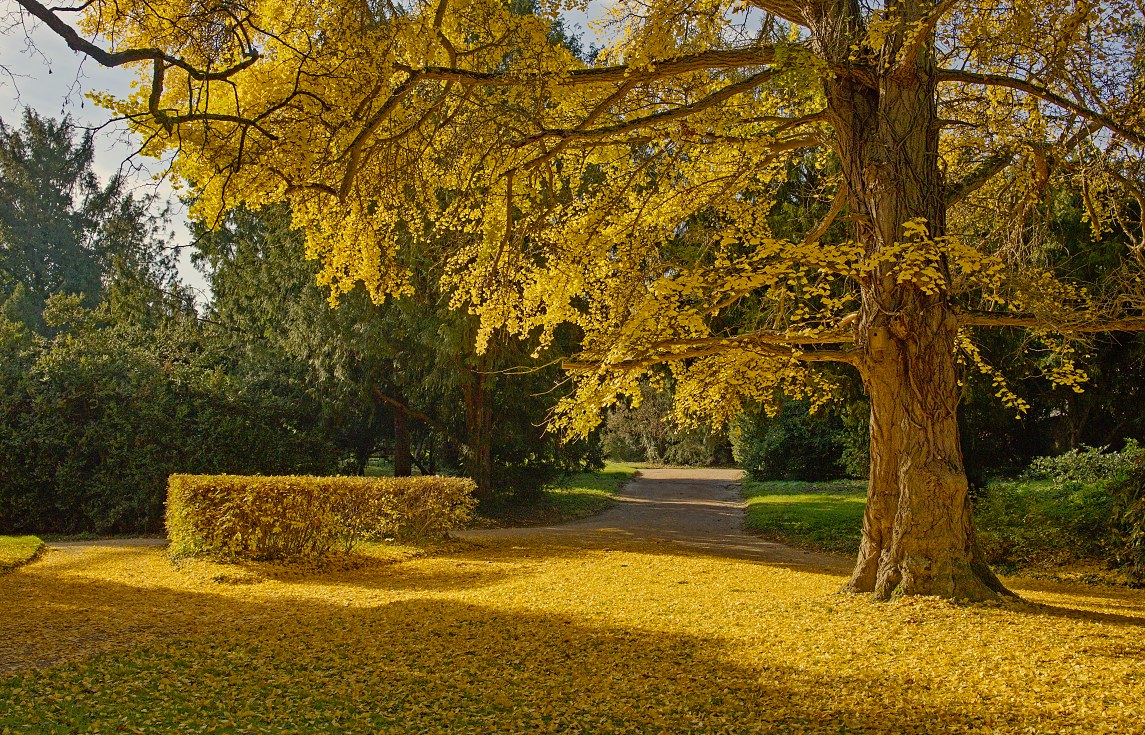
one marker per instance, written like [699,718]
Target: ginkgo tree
[629,194]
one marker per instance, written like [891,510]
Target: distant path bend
[696,509]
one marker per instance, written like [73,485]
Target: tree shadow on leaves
[424,666]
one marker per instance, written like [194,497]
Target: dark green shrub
[1084,504]
[94,420]
[1040,523]
[1128,548]
[1087,465]
[798,445]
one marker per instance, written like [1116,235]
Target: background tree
[629,197]
[399,378]
[97,417]
[110,381]
[62,231]
[647,432]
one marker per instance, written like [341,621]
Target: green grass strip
[826,516]
[587,493]
[570,498]
[16,551]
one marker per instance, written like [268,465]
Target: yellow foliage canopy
[630,195]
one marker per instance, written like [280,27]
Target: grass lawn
[522,636]
[576,496]
[18,550]
[826,516]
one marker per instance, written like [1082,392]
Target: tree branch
[675,113]
[998,80]
[766,343]
[799,13]
[837,205]
[76,42]
[723,59]
[430,421]
[977,178]
[355,149]
[921,32]
[994,319]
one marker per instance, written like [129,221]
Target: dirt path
[696,509]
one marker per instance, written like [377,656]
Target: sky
[38,70]
[44,74]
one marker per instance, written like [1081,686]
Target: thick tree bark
[918,532]
[918,535]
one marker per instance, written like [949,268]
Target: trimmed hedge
[254,517]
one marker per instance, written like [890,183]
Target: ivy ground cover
[523,636]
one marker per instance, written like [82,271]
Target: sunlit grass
[587,493]
[820,515]
[18,550]
[521,636]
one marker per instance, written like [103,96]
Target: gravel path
[697,509]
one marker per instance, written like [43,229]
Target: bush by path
[256,517]
[1084,509]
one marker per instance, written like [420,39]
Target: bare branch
[998,80]
[72,9]
[118,58]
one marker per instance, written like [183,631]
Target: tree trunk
[918,535]
[403,460]
[478,394]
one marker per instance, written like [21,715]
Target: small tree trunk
[478,395]
[403,460]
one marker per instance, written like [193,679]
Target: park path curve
[693,509]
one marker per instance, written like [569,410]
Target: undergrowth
[574,496]
[1080,515]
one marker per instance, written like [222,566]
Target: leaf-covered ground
[524,636]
